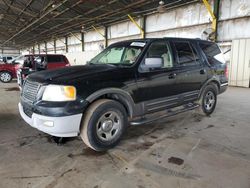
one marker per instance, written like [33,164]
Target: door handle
[172,76]
[202,71]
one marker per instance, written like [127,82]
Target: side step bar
[168,113]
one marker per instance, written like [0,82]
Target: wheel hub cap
[107,125]
[5,77]
[209,100]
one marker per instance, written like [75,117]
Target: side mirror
[152,63]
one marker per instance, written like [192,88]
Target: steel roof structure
[25,22]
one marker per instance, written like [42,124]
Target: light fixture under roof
[161,7]
[161,3]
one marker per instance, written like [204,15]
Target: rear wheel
[103,125]
[5,77]
[208,99]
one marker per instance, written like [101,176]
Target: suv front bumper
[65,126]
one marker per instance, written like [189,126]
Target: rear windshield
[212,53]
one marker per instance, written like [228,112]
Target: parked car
[7,59]
[38,62]
[8,71]
[24,65]
[136,82]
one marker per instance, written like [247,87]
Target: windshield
[119,55]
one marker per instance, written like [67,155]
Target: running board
[168,113]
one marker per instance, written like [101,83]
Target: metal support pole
[217,14]
[137,25]
[106,36]
[214,19]
[144,26]
[39,50]
[55,46]
[82,41]
[33,50]
[66,44]
[45,46]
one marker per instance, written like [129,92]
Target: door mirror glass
[152,63]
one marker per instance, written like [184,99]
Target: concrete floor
[188,150]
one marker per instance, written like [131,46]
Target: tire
[5,77]
[103,125]
[208,99]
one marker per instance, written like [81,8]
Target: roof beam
[90,21]
[35,21]
[62,12]
[15,8]
[118,11]
[20,13]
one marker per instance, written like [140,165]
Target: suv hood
[69,73]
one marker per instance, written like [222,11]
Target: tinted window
[55,59]
[212,53]
[185,54]
[160,49]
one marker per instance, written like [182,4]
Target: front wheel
[5,77]
[208,99]
[103,125]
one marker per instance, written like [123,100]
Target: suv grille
[30,90]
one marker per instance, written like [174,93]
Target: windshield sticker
[138,44]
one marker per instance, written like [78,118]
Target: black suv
[136,82]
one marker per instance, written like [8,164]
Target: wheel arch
[213,81]
[116,94]
[6,70]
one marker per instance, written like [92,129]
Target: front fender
[122,95]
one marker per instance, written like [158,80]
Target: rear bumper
[223,87]
[65,126]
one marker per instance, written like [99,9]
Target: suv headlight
[58,93]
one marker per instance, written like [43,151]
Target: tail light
[226,72]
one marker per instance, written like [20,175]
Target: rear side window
[213,53]
[55,59]
[185,54]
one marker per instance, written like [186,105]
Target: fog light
[48,123]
